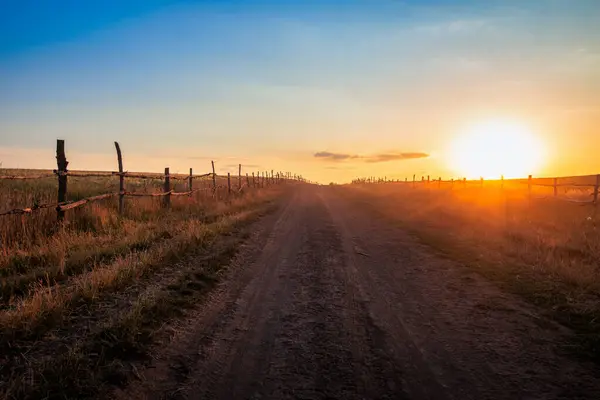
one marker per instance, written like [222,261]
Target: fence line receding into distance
[428,182]
[62,173]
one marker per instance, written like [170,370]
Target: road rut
[327,301]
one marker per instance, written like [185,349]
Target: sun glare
[496,148]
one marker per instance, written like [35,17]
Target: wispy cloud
[326,155]
[374,158]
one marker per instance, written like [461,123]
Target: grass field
[79,298]
[547,251]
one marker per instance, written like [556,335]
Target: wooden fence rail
[62,174]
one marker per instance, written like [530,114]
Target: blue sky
[272,83]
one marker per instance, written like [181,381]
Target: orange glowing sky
[371,88]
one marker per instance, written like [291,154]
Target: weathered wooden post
[465,182]
[61,164]
[229,183]
[555,186]
[240,177]
[121,180]
[253,180]
[167,190]
[596,188]
[214,176]
[439,182]
[414,180]
[595,199]
[190,184]
[247,180]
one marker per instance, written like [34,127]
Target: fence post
[596,188]
[452,184]
[465,182]
[240,177]
[502,182]
[121,180]
[214,176]
[229,183]
[253,180]
[61,163]
[414,177]
[247,180]
[167,200]
[440,182]
[555,186]
[428,181]
[190,184]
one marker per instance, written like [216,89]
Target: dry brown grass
[66,290]
[547,251]
[43,305]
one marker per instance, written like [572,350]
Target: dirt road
[327,301]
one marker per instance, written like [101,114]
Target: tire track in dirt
[328,301]
[478,342]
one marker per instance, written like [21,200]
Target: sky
[329,89]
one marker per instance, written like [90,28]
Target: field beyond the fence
[535,244]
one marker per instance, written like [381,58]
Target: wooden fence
[62,173]
[463,183]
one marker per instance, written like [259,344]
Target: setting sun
[496,148]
